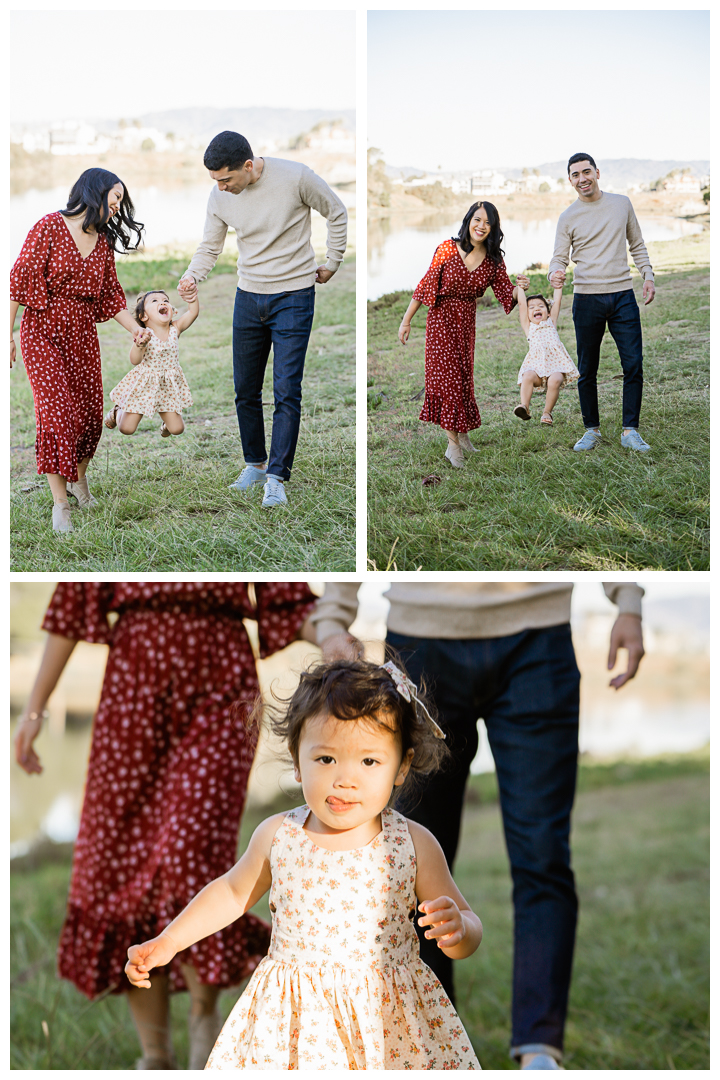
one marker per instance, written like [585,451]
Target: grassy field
[527,501]
[639,997]
[164,504]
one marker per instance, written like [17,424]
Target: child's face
[158,309]
[348,769]
[536,311]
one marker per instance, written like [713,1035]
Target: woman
[164,739]
[461,270]
[65,278]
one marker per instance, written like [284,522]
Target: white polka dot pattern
[64,296]
[450,334]
[168,766]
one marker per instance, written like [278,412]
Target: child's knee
[174,423]
[128,425]
[556,379]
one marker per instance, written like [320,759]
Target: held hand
[13,351]
[557,279]
[404,332]
[151,954]
[626,634]
[323,275]
[27,731]
[446,920]
[648,292]
[342,646]
[522,281]
[141,338]
[187,287]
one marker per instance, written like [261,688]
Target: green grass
[527,501]
[639,997]
[164,504]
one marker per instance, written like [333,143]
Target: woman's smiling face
[479,226]
[116,194]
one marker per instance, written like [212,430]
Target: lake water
[399,252]
[171,215]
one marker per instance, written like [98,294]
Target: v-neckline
[83,258]
[464,263]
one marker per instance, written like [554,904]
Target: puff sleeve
[79,610]
[427,290]
[282,607]
[28,277]
[112,297]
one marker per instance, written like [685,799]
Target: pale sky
[155,60]
[479,89]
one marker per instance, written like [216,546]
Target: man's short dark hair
[575,158]
[228,150]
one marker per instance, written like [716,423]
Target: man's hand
[323,275]
[557,279]
[648,292]
[626,634]
[187,288]
[342,646]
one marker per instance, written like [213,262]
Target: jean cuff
[535,1048]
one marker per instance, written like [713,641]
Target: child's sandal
[111,417]
[546,418]
[164,431]
[521,412]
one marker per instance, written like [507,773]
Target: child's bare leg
[150,1011]
[173,422]
[127,422]
[530,380]
[554,383]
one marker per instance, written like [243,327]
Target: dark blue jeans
[283,320]
[526,689]
[592,312]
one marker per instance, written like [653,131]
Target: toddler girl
[157,383]
[547,362]
[343,986]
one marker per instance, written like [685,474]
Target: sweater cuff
[333,264]
[629,600]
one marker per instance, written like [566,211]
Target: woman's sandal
[111,417]
[546,418]
[522,412]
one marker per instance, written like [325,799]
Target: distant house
[682,184]
[329,135]
[488,182]
[76,137]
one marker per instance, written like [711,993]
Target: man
[596,227]
[503,651]
[268,202]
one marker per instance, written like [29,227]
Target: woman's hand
[27,731]
[445,919]
[13,352]
[404,332]
[141,339]
[522,281]
[151,954]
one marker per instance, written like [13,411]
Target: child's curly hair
[357,690]
[139,310]
[539,296]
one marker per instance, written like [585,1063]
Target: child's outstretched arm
[557,301]
[188,317]
[523,308]
[140,343]
[446,913]
[216,906]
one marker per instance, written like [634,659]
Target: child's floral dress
[157,384]
[343,985]
[547,354]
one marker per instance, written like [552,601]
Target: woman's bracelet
[33,716]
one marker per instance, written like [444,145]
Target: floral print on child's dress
[547,354]
[343,986]
[157,383]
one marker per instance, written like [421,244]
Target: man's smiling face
[233,180]
[584,178]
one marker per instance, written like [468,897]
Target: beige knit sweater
[272,221]
[597,233]
[465,610]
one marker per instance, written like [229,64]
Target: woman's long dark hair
[494,252]
[90,193]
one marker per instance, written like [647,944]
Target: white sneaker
[274,493]
[250,476]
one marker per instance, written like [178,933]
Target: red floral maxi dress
[168,767]
[450,290]
[64,296]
